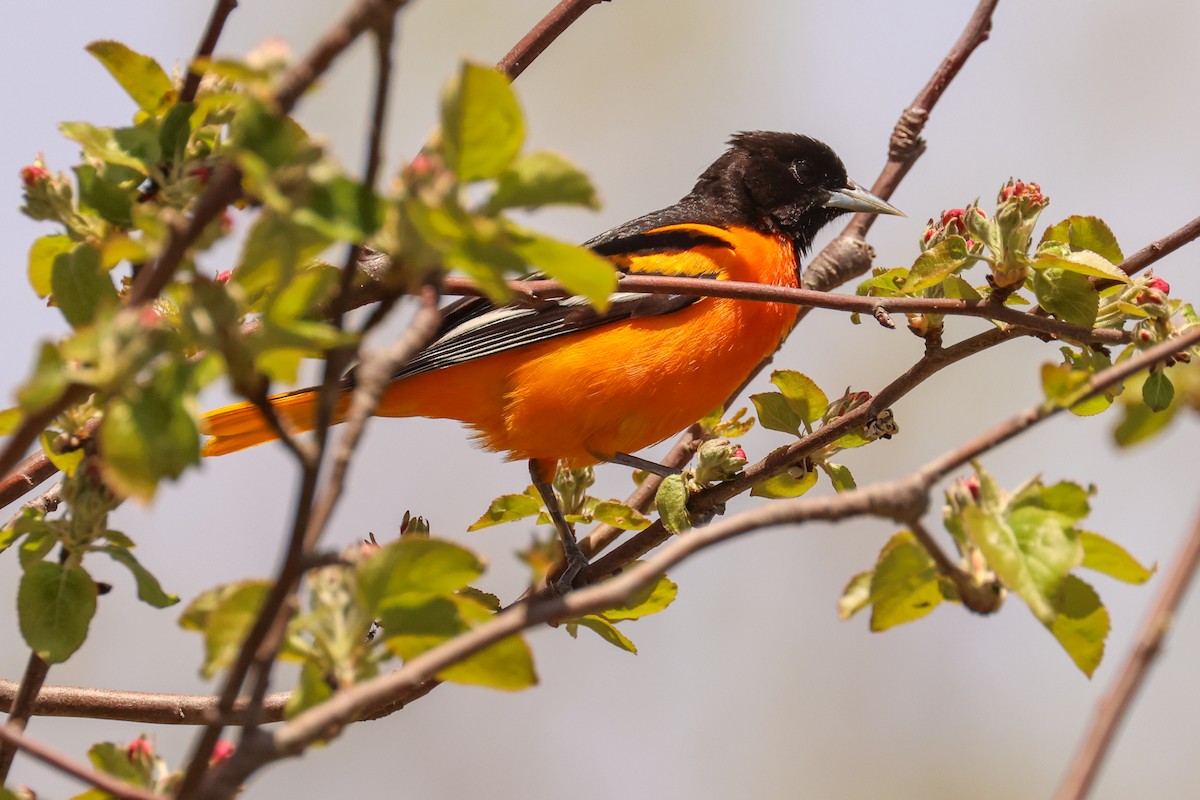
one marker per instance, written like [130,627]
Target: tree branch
[1114,706]
[208,43]
[534,43]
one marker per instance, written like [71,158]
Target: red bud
[222,750]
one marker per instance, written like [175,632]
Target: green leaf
[228,623]
[580,270]
[10,420]
[341,208]
[276,139]
[904,584]
[195,616]
[114,759]
[1157,391]
[506,508]
[1080,262]
[487,264]
[176,130]
[1085,233]
[136,147]
[1081,625]
[649,600]
[81,288]
[1106,556]
[1063,385]
[55,605]
[542,179]
[1031,552]
[414,566]
[148,588]
[146,438]
[1067,295]
[671,504]
[802,393]
[275,246]
[41,260]
[932,266]
[66,462]
[784,485]
[619,515]
[604,629]
[955,288]
[482,126]
[140,76]
[312,689]
[413,628]
[856,596]
[112,202]
[776,413]
[1140,423]
[841,478]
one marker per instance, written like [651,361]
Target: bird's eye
[801,171]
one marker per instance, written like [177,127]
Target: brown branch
[543,35]
[150,708]
[63,763]
[978,597]
[1114,706]
[769,293]
[1161,248]
[906,144]
[208,43]
[22,709]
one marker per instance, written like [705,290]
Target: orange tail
[241,425]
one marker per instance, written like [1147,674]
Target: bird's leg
[653,467]
[542,473]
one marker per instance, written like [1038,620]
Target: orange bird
[565,384]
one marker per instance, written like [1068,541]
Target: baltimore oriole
[563,383]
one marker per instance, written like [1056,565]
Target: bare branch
[811,298]
[543,35]
[1114,706]
[208,43]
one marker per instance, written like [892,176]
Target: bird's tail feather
[242,425]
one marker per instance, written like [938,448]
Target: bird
[564,384]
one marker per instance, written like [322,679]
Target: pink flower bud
[222,750]
[971,484]
[224,276]
[139,748]
[34,174]
[1158,283]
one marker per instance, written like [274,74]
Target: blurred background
[748,685]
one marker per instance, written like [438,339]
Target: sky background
[748,685]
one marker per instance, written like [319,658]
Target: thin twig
[906,145]
[1114,706]
[208,43]
[66,764]
[768,293]
[980,598]
[543,35]
[36,670]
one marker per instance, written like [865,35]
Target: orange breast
[624,386]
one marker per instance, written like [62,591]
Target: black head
[781,183]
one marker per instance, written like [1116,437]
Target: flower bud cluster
[718,460]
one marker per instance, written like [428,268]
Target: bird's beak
[855,198]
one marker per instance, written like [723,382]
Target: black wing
[475,327]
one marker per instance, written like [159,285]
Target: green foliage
[55,606]
[1027,543]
